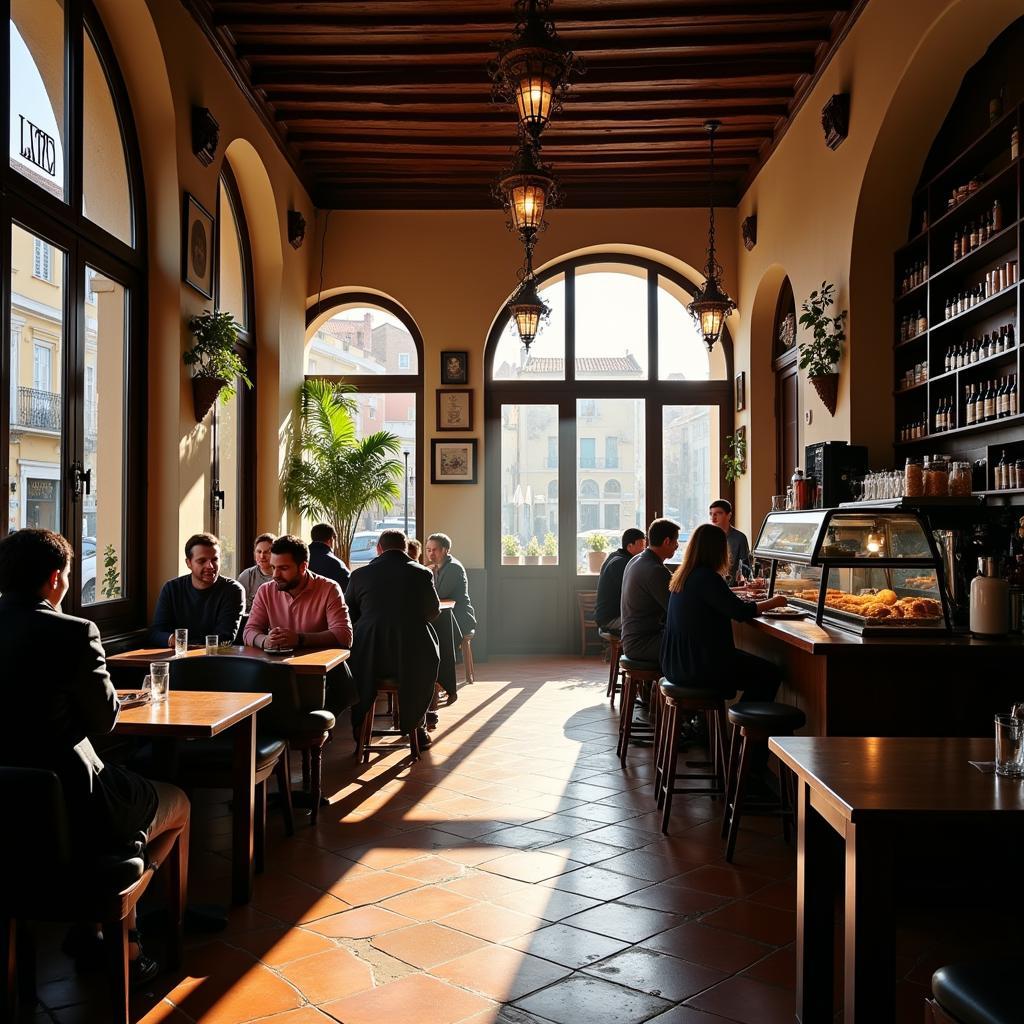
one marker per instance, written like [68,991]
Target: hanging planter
[215,364]
[820,356]
[827,386]
[204,394]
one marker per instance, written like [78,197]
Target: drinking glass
[157,680]
[1009,746]
[212,643]
[180,643]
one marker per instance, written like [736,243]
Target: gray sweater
[218,609]
[644,603]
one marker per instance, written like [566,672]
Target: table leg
[869,968]
[243,774]
[815,912]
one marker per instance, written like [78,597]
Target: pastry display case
[870,571]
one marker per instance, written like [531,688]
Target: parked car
[364,548]
[88,556]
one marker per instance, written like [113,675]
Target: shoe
[142,969]
[431,719]
[424,738]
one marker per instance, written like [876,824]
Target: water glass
[1009,746]
[212,643]
[180,643]
[158,681]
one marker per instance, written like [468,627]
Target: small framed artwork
[454,367]
[741,390]
[454,409]
[453,462]
[197,246]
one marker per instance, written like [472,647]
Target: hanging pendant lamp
[711,304]
[526,190]
[526,307]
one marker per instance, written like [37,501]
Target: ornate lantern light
[526,190]
[533,68]
[526,307]
[711,304]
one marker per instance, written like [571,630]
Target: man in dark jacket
[607,613]
[392,602]
[450,580]
[322,559]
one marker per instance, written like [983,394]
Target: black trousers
[756,678]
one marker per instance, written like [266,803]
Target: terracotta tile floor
[516,874]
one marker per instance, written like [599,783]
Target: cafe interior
[528,274]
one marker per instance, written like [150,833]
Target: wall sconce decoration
[296,228]
[749,229]
[205,135]
[835,119]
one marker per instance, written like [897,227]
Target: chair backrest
[37,847]
[226,674]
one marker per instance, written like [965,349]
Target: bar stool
[983,992]
[692,700]
[387,688]
[753,724]
[635,675]
[613,638]
[467,655]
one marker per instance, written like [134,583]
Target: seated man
[720,514]
[202,601]
[322,559]
[450,580]
[393,602]
[607,612]
[645,593]
[256,575]
[63,696]
[301,609]
[414,549]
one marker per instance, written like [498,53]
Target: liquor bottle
[1014,143]
[1001,473]
[972,238]
[970,408]
[997,216]
[1002,403]
[989,406]
[956,247]
[1011,339]
[974,350]
[986,347]
[1013,395]
[922,322]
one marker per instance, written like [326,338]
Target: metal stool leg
[737,807]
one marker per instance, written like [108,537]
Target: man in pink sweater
[300,608]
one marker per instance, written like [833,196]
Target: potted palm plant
[510,549]
[598,544]
[330,473]
[532,554]
[550,555]
[215,364]
[820,356]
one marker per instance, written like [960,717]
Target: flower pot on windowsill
[204,394]
[827,386]
[531,559]
[549,559]
[510,559]
[595,559]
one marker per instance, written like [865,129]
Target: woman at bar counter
[697,648]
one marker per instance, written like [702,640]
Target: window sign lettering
[37,147]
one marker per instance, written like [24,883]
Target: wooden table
[870,792]
[197,714]
[314,662]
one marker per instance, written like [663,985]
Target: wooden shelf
[1004,122]
[910,341]
[974,428]
[972,202]
[1002,242]
[918,290]
[977,311]
[974,366]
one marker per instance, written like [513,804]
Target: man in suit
[392,602]
[450,580]
[607,611]
[322,559]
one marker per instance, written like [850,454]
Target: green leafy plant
[550,545]
[597,542]
[213,355]
[533,549]
[330,473]
[510,546]
[735,458]
[820,355]
[111,585]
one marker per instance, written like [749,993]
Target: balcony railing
[39,409]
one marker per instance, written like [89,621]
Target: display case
[867,570]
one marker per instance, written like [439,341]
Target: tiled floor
[516,874]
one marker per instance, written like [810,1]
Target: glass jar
[913,479]
[936,477]
[960,480]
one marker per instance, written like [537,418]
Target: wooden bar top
[316,662]
[806,635]
[190,714]
[861,776]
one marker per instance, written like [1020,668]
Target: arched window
[619,408]
[232,482]
[371,342]
[75,355]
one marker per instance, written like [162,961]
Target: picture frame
[453,461]
[197,246]
[454,409]
[741,390]
[454,367]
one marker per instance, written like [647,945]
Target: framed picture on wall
[454,367]
[197,246]
[453,462]
[741,391]
[454,409]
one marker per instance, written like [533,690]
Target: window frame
[62,223]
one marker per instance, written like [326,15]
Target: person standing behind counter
[720,513]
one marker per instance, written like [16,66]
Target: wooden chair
[467,656]
[586,602]
[42,880]
[387,688]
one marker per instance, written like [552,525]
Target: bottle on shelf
[1014,143]
[1002,399]
[1002,475]
[1012,398]
[997,216]
[970,406]
[988,403]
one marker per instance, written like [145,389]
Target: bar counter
[904,685]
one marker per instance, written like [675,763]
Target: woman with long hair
[697,648]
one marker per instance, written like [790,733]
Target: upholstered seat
[767,715]
[694,694]
[634,665]
[981,992]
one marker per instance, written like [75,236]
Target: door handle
[217,500]
[87,480]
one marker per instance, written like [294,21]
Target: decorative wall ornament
[787,332]
[296,229]
[205,135]
[749,229]
[197,246]
[835,119]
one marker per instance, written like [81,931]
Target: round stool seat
[767,715]
[983,992]
[632,665]
[609,634]
[694,694]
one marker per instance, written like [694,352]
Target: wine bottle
[1013,395]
